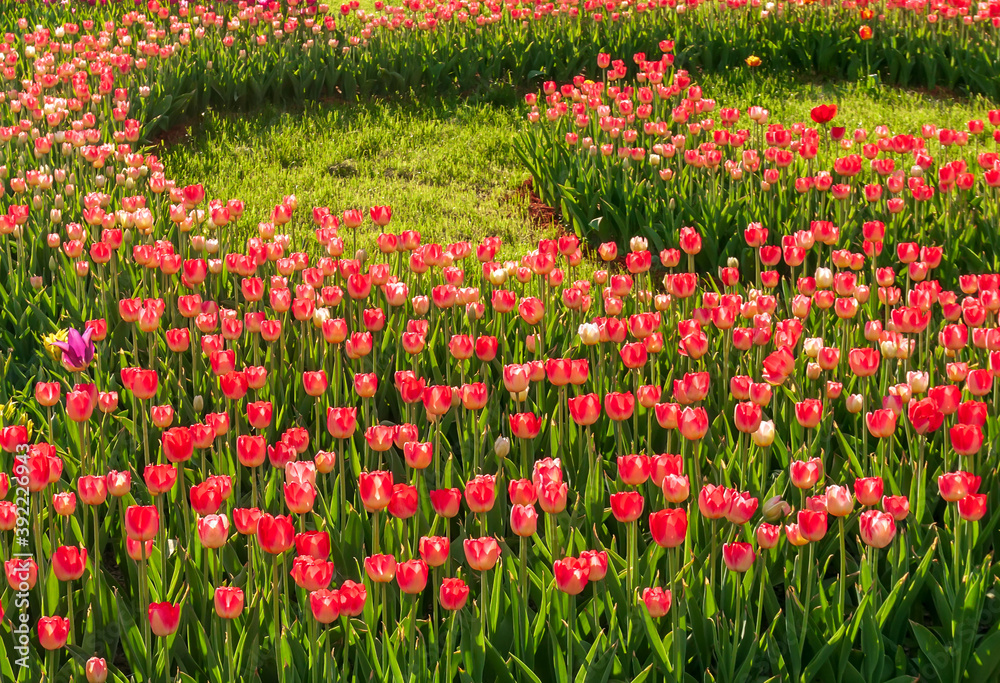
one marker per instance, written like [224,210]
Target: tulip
[142,522]
[897,506]
[480,493]
[326,605]
[453,594]
[481,554]
[668,527]
[434,550]
[839,501]
[523,520]
[228,602]
[552,496]
[633,469]
[657,601]
[275,534]
[966,439]
[812,524]
[881,423]
[53,632]
[445,502]
[96,670]
[69,563]
[739,557]
[954,486]
[522,492]
[164,618]
[375,489]
[412,576]
[213,530]
[877,528]
[972,507]
[805,474]
[868,490]
[571,574]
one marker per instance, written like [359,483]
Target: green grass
[447,169]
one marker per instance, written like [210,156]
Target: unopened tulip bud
[198,404]
[855,403]
[361,256]
[775,508]
[501,446]
[813,371]
[732,262]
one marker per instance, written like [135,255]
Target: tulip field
[525,341]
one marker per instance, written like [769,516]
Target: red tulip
[633,469]
[868,490]
[739,557]
[326,605]
[246,520]
[310,573]
[877,528]
[228,602]
[525,425]
[619,405]
[552,496]
[412,576]
[453,594]
[571,574]
[352,598]
[342,422]
[446,502]
[668,527]
[141,522]
[480,493]
[177,444]
[954,486]
[159,478]
[585,409]
[972,508]
[164,618]
[747,417]
[809,412]
[863,362]
[966,439]
[275,534]
[481,554]
[693,423]
[375,489]
[627,506]
[805,474]
[404,501]
[434,550]
[657,601]
[812,524]
[523,520]
[881,423]
[69,562]
[53,632]
[93,490]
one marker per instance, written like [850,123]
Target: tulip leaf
[526,670]
[933,650]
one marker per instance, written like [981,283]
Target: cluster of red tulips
[762,371]
[635,141]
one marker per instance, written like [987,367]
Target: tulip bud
[501,447]
[198,404]
[775,508]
